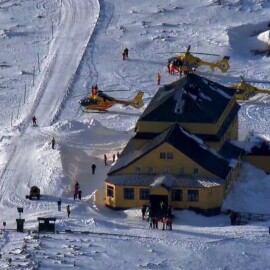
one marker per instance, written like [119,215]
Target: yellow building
[180,154]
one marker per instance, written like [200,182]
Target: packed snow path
[78,20]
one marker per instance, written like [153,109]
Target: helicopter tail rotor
[223,64]
[137,102]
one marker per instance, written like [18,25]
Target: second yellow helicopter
[245,91]
[187,62]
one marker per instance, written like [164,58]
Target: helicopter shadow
[122,113]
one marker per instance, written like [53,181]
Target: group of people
[166,222]
[113,158]
[154,217]
[59,203]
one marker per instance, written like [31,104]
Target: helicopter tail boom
[137,102]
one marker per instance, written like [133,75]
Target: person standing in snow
[53,142]
[113,158]
[93,168]
[80,194]
[68,211]
[105,160]
[126,53]
[34,120]
[158,79]
[59,204]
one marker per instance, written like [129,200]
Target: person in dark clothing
[80,194]
[93,168]
[68,211]
[126,53]
[77,186]
[105,160]
[143,211]
[233,217]
[53,142]
[169,212]
[59,204]
[75,194]
[34,120]
[113,158]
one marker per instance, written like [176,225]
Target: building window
[144,194]
[166,170]
[137,168]
[128,193]
[170,155]
[150,170]
[162,155]
[182,171]
[195,171]
[193,195]
[110,191]
[177,195]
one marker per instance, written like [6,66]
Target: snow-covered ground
[52,52]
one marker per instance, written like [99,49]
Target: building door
[159,205]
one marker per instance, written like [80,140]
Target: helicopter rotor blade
[108,91]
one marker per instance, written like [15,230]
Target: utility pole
[38,62]
[11,118]
[52,29]
[24,97]
[34,71]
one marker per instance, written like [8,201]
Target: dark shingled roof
[186,143]
[168,181]
[202,101]
[229,150]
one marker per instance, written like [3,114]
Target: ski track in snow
[66,51]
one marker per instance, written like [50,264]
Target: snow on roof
[233,163]
[165,180]
[221,92]
[264,37]
[179,102]
[202,95]
[192,136]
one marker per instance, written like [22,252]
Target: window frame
[174,193]
[195,172]
[162,155]
[182,170]
[129,194]
[169,155]
[150,170]
[195,197]
[142,192]
[138,168]
[110,189]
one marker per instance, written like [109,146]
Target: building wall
[159,166]
[208,197]
[261,162]
[159,127]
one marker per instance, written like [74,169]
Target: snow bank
[89,131]
[250,193]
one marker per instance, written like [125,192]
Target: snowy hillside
[52,52]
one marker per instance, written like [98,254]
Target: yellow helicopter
[187,62]
[245,91]
[100,101]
